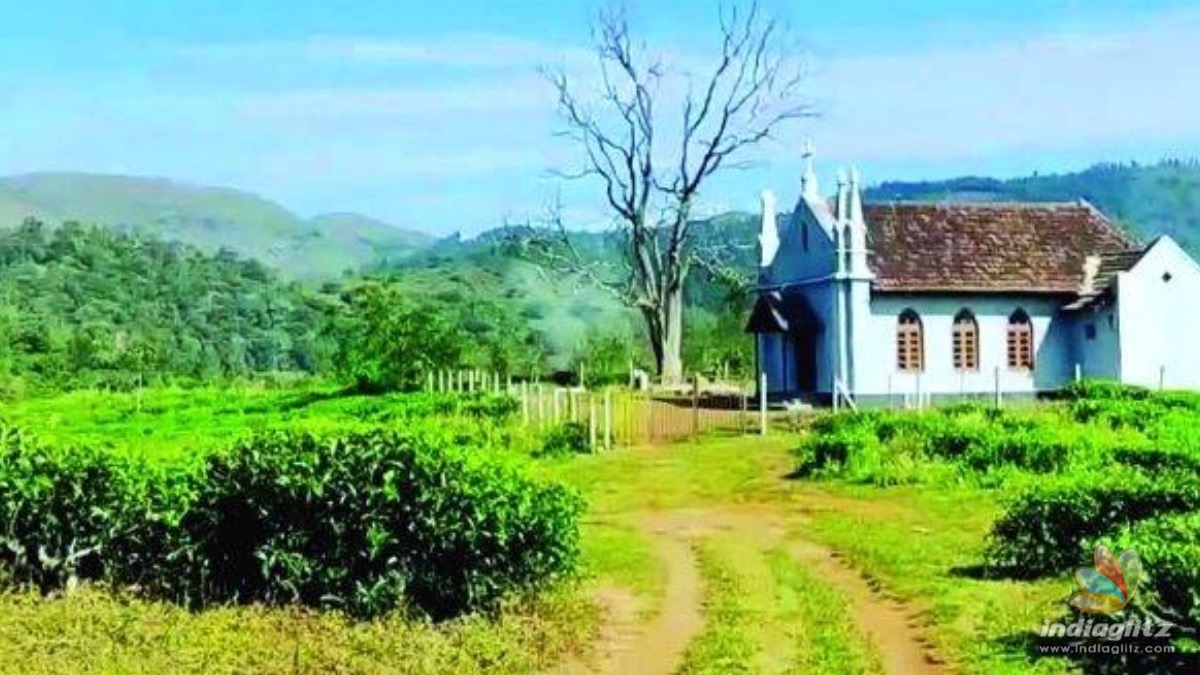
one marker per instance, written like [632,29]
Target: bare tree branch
[751,90]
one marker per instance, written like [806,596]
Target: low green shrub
[1044,527]
[364,521]
[834,441]
[1169,548]
[1103,390]
[568,438]
[74,513]
[1154,458]
[853,445]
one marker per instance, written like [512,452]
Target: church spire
[856,206]
[842,212]
[808,182]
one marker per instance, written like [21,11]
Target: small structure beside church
[886,303]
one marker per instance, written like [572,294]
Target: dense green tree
[389,340]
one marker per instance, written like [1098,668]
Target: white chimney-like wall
[768,238]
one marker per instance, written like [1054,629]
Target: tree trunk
[671,367]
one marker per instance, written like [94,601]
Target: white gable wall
[795,261]
[1160,320]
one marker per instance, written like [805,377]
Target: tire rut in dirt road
[659,650]
[626,648]
[886,623]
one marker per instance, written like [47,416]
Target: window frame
[910,342]
[964,342]
[1019,343]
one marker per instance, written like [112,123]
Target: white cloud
[1049,92]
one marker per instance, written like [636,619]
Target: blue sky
[432,115]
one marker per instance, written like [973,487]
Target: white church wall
[1159,319]
[1098,345]
[875,368]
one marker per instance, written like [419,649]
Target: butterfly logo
[1110,585]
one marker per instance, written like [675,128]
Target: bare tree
[652,166]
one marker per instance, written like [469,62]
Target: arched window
[910,343]
[966,341]
[1020,341]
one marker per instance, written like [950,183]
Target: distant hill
[1148,200]
[208,218]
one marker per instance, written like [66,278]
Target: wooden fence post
[525,403]
[745,411]
[762,404]
[591,424]
[541,409]
[557,405]
[648,398]
[695,408]
[608,419]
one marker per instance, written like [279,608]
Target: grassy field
[707,557]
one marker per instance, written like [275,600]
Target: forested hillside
[1162,198]
[209,219]
[87,306]
[84,306]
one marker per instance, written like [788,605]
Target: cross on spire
[808,182]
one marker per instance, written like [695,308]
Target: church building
[907,303]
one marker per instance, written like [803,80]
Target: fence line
[619,416]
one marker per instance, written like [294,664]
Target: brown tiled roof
[990,247]
[1106,275]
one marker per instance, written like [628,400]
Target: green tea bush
[568,438]
[835,440]
[880,446]
[1103,390]
[1169,548]
[364,521]
[422,405]
[78,513]
[367,520]
[1043,528]
[1158,458]
[1120,406]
